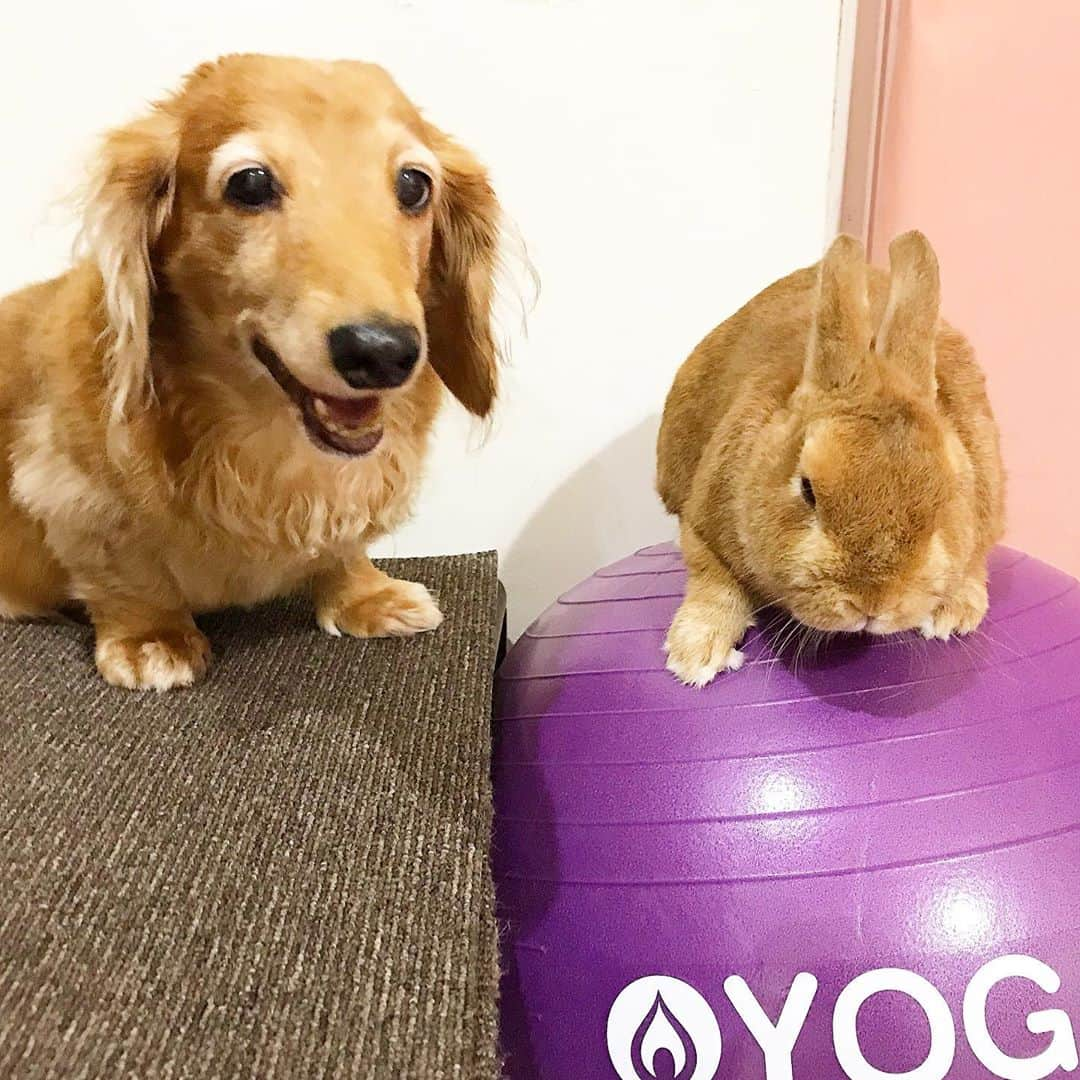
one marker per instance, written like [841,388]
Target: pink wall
[980,148]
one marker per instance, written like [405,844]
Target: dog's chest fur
[253,510]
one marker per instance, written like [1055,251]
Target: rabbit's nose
[854,616]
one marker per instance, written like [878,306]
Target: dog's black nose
[374,355]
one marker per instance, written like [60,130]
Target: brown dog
[232,398]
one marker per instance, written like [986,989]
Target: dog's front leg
[359,599]
[146,642]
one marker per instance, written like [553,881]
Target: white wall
[663,161]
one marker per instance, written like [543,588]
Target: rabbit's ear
[906,335]
[840,334]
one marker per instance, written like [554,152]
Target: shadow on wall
[608,508]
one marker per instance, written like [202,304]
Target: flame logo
[670,1050]
[661,1028]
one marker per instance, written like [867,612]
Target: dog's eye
[252,188]
[808,492]
[413,189]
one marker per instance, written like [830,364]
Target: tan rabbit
[852,478]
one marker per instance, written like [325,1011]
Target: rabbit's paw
[960,614]
[699,645]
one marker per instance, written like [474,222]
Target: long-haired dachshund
[231,398]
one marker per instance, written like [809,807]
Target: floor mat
[281,872]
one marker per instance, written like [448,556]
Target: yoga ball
[857,863]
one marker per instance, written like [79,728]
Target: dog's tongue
[349,425]
[350,412]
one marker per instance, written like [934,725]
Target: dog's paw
[960,614]
[698,648]
[396,609]
[160,661]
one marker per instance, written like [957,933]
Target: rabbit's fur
[831,449]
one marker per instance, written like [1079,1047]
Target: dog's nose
[374,355]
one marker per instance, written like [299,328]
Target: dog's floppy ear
[127,204]
[458,303]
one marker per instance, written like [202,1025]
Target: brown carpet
[279,873]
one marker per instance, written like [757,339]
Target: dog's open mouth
[340,425]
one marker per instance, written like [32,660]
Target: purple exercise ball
[896,820]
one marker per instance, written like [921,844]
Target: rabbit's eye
[808,492]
